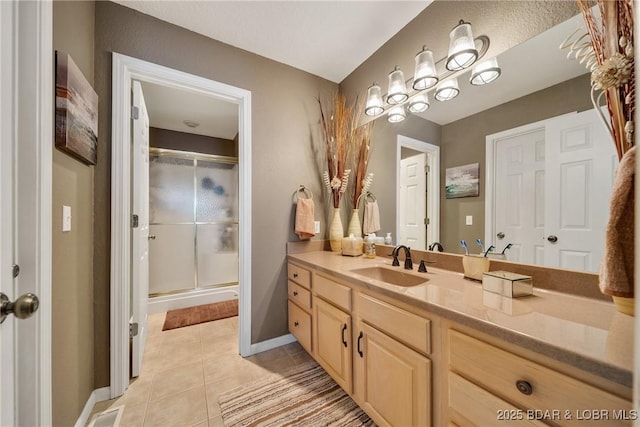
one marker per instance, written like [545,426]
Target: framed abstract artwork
[462,181]
[76,111]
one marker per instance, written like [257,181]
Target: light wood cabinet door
[392,382]
[332,342]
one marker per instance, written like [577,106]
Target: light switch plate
[66,218]
[469,220]
[316,227]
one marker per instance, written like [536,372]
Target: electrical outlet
[469,220]
[316,227]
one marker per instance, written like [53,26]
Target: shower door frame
[195,157]
[125,69]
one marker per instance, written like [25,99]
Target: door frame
[433,184]
[124,70]
[28,77]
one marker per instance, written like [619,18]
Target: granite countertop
[586,333]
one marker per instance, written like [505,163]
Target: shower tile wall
[193,214]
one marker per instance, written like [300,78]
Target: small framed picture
[76,111]
[462,181]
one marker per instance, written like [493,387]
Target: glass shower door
[171,218]
[216,223]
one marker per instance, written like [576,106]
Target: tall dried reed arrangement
[362,150]
[612,65]
[338,122]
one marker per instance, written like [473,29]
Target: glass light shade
[447,90]
[396,114]
[462,47]
[419,103]
[397,87]
[485,72]
[425,75]
[374,101]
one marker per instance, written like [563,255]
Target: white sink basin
[394,277]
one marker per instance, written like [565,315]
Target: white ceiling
[327,38]
[168,108]
[330,39]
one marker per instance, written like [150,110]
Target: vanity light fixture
[397,87]
[374,104]
[424,76]
[447,90]
[464,51]
[462,47]
[396,114]
[419,103]
[485,72]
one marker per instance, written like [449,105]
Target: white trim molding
[98,395]
[126,69]
[272,343]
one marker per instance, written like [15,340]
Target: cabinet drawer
[300,275]
[498,371]
[300,325]
[333,292]
[299,295]
[470,405]
[400,324]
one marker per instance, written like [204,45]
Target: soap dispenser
[388,240]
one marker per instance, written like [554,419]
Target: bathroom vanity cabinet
[408,366]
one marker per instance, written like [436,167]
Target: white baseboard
[191,299]
[96,396]
[272,343]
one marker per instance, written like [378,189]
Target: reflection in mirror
[537,83]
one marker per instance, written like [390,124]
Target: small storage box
[507,284]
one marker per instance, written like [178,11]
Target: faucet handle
[423,267]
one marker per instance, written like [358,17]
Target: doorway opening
[418,193]
[126,70]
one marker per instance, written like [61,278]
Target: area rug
[200,314]
[303,396]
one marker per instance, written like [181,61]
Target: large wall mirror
[538,83]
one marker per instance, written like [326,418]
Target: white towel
[371,217]
[305,216]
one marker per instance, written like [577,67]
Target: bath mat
[303,396]
[200,314]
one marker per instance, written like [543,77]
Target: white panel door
[581,162]
[140,234]
[519,196]
[26,135]
[413,202]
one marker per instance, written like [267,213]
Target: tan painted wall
[173,140]
[284,116]
[72,275]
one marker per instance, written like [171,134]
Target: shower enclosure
[193,221]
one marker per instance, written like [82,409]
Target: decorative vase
[354,225]
[625,305]
[336,231]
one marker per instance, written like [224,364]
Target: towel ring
[304,190]
[368,195]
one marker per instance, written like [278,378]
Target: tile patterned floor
[184,370]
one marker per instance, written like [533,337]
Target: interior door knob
[22,308]
[151,237]
[500,235]
[552,238]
